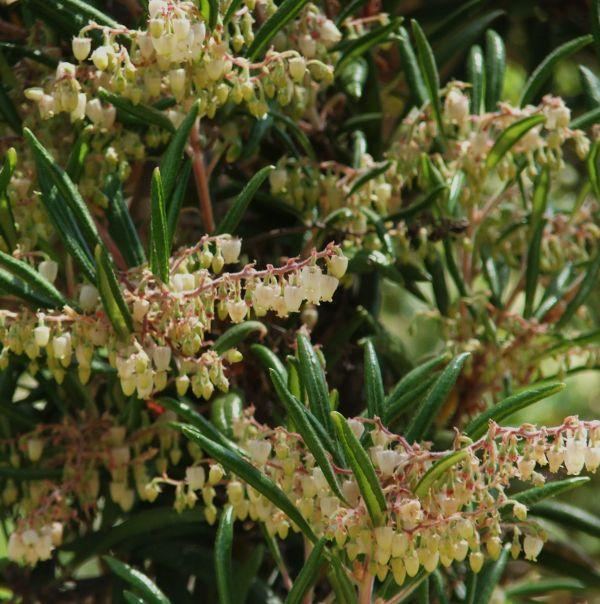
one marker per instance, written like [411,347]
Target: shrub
[202,205]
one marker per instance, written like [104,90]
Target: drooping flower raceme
[171,321]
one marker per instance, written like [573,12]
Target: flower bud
[88,297]
[34,94]
[532,546]
[230,249]
[140,308]
[182,384]
[35,447]
[215,473]
[48,269]
[81,48]
[297,67]
[41,335]
[100,58]
[161,356]
[476,560]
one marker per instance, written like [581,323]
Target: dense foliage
[223,226]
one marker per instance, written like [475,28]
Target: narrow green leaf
[225,409]
[15,286]
[139,581]
[554,292]
[238,333]
[297,414]
[452,46]
[591,163]
[435,399]
[184,409]
[591,86]
[33,279]
[159,253]
[476,77]
[89,12]
[341,584]
[412,72]
[8,111]
[377,221]
[418,206]
[435,267]
[65,224]
[358,47]
[406,399]
[543,587]
[67,189]
[505,408]
[176,201]
[437,470]
[223,556]
[353,77]
[110,293]
[429,72]
[349,9]
[120,225]
[236,212]
[8,228]
[545,69]
[131,598]
[312,377]
[368,176]
[362,468]
[287,10]
[269,360]
[510,137]
[373,382]
[299,134]
[491,275]
[234,5]
[569,516]
[210,12]
[78,155]
[590,281]
[308,574]
[171,161]
[586,119]
[537,224]
[495,68]
[234,463]
[144,113]
[534,495]
[490,576]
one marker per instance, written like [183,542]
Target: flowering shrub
[202,204]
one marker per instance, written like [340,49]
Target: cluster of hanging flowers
[178,54]
[462,515]
[171,322]
[466,513]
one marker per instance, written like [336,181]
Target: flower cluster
[178,55]
[466,514]
[171,322]
[462,515]
[31,546]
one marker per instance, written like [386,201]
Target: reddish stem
[201,179]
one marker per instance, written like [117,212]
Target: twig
[201,180]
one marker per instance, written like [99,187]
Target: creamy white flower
[532,546]
[195,476]
[48,269]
